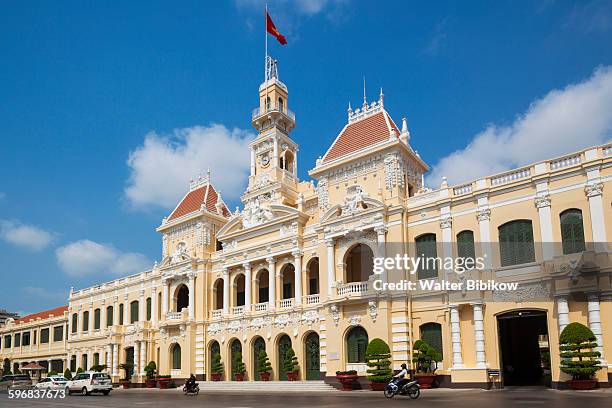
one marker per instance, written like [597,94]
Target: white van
[89,382]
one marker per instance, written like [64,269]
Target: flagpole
[266,42]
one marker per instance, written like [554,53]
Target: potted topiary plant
[578,359]
[426,359]
[378,360]
[150,369]
[128,368]
[67,374]
[264,367]
[291,365]
[347,379]
[217,367]
[163,381]
[238,368]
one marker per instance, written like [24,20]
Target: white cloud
[307,7]
[23,235]
[162,167]
[86,257]
[578,116]
[45,293]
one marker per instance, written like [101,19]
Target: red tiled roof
[193,201]
[362,134]
[58,311]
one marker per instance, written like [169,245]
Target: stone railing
[216,314]
[312,299]
[285,303]
[237,310]
[511,176]
[463,189]
[261,307]
[566,161]
[257,112]
[174,316]
[352,288]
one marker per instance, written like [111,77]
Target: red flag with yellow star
[271,28]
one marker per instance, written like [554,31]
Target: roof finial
[381,97]
[208,176]
[365,101]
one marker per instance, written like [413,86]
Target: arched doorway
[218,294]
[312,353]
[524,349]
[129,361]
[181,298]
[284,343]
[235,348]
[259,345]
[175,356]
[359,262]
[356,344]
[215,349]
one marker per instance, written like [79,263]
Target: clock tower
[273,175]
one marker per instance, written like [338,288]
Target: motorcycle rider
[191,383]
[401,377]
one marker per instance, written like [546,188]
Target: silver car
[15,382]
[56,382]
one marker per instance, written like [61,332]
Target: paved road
[543,398]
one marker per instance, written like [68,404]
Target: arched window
[149,305]
[121,313]
[427,252]
[85,323]
[263,291]
[288,275]
[516,243]
[134,311]
[359,262]
[97,319]
[239,285]
[313,276]
[356,344]
[75,320]
[218,294]
[176,357]
[281,104]
[572,231]
[109,316]
[431,333]
[182,298]
[267,103]
[465,245]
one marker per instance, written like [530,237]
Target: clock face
[265,160]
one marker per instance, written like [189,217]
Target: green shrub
[67,374]
[425,357]
[378,360]
[128,368]
[349,372]
[290,363]
[217,365]
[150,369]
[98,367]
[79,370]
[238,367]
[6,367]
[577,356]
[263,362]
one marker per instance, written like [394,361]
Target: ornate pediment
[254,215]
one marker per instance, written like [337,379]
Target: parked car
[90,382]
[56,382]
[15,382]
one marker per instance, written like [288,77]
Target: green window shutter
[121,310]
[516,243]
[465,245]
[356,344]
[58,333]
[44,336]
[572,231]
[426,250]
[75,322]
[97,319]
[85,321]
[148,309]
[109,316]
[176,357]
[134,311]
[431,333]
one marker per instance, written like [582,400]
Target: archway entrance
[214,350]
[258,345]
[284,343]
[524,349]
[311,347]
[235,348]
[129,361]
[182,298]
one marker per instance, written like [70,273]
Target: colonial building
[294,267]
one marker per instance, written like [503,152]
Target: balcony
[312,299]
[261,307]
[216,314]
[237,310]
[352,288]
[174,316]
[258,112]
[285,303]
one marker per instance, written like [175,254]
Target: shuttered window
[431,333]
[75,320]
[109,316]
[44,336]
[85,321]
[97,319]
[121,310]
[134,311]
[516,243]
[58,333]
[356,344]
[426,251]
[465,245]
[176,357]
[572,231]
[149,309]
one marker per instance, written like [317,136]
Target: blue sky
[107,108]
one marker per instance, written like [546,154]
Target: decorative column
[595,321]
[142,314]
[562,312]
[271,282]
[484,216]
[297,267]
[116,311]
[89,360]
[248,284]
[226,290]
[252,162]
[136,357]
[542,203]
[143,350]
[115,359]
[191,295]
[91,320]
[382,244]
[126,310]
[593,191]
[481,361]
[275,153]
[109,357]
[164,298]
[103,315]
[331,271]
[446,224]
[456,336]
[154,306]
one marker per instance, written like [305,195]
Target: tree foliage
[290,363]
[263,362]
[378,357]
[67,374]
[577,356]
[217,365]
[150,369]
[238,367]
[425,357]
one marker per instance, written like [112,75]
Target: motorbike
[411,388]
[195,390]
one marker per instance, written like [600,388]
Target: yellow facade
[287,270]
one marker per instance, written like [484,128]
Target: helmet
[404,366]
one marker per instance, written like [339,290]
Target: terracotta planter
[582,384]
[150,383]
[292,376]
[164,383]
[239,376]
[378,386]
[125,384]
[425,380]
[347,381]
[216,376]
[264,376]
